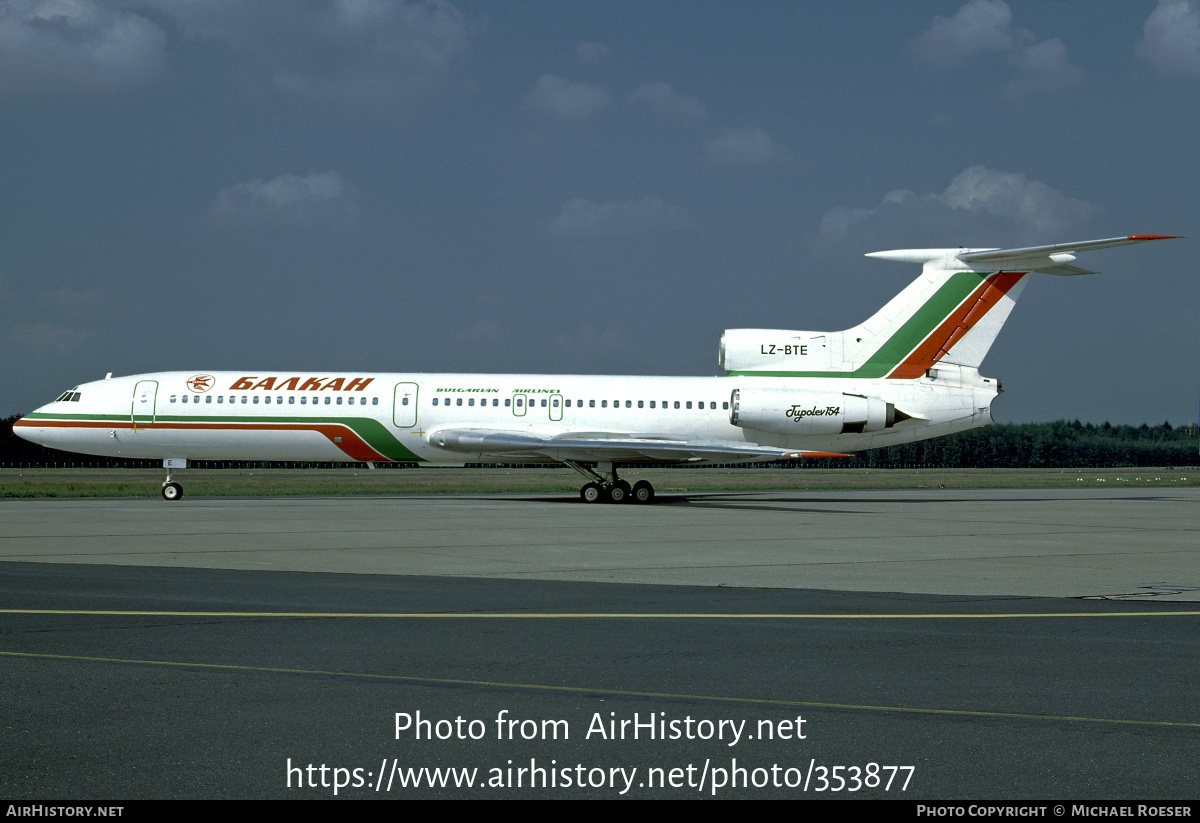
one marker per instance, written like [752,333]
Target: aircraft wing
[605,447]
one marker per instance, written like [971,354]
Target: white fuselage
[300,416]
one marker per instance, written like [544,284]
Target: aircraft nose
[21,428]
[29,427]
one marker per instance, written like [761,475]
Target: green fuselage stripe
[373,433]
[907,337]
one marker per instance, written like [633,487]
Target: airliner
[910,372]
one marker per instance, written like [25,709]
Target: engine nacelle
[777,349]
[796,411]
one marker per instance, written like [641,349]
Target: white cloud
[980,207]
[47,339]
[979,27]
[321,200]
[746,146]
[986,27]
[375,52]
[76,45]
[1042,67]
[566,100]
[582,219]
[667,102]
[1171,37]
[592,53]
[86,302]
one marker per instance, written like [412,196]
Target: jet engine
[798,411]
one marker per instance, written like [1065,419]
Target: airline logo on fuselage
[201,382]
[255,383]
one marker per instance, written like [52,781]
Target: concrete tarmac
[1128,543]
[970,644]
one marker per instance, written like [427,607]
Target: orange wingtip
[1154,237]
[816,454]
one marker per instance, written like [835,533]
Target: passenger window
[374,401]
[292,400]
[208,399]
[266,400]
[326,400]
[220,398]
[651,404]
[629,404]
[339,401]
[676,404]
[725,405]
[507,401]
[172,398]
[591,404]
[404,401]
[458,401]
[604,404]
[470,401]
[543,402]
[554,402]
[689,404]
[256,399]
[640,404]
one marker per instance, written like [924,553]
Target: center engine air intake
[794,411]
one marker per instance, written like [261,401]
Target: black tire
[643,492]
[591,493]
[619,492]
[172,491]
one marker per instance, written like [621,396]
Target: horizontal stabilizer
[1002,255]
[1053,259]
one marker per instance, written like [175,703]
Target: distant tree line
[1060,444]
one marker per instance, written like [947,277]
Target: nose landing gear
[170,490]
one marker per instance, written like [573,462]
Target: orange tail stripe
[934,347]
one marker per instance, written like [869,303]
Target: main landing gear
[606,487]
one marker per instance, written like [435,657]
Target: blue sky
[587,187]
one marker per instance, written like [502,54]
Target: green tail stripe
[922,323]
[373,433]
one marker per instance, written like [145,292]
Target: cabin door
[145,400]
[404,410]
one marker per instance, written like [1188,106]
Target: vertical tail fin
[950,314]
[953,312]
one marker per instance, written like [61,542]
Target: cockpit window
[68,396]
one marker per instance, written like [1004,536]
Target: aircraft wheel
[619,492]
[643,492]
[172,491]
[591,493]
